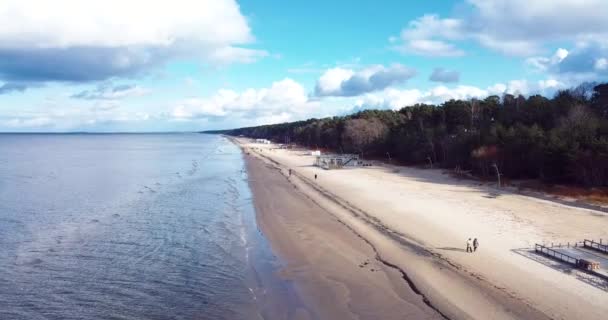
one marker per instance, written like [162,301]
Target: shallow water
[128,226]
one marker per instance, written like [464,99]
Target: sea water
[128,226]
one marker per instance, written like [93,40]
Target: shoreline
[334,271]
[460,289]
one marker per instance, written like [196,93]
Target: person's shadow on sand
[452,249]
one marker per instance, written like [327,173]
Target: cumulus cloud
[540,20]
[12,87]
[282,100]
[587,61]
[436,48]
[429,36]
[20,123]
[543,64]
[443,75]
[348,83]
[71,40]
[70,118]
[589,57]
[601,64]
[395,99]
[514,27]
[107,91]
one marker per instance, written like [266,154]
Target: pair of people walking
[474,244]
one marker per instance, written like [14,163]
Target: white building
[337,161]
[263,141]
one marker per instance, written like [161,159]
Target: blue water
[127,226]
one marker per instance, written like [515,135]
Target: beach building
[337,161]
[263,141]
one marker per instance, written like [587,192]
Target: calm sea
[128,226]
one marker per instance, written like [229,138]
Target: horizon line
[98,132]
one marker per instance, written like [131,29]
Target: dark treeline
[563,139]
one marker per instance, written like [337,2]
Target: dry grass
[591,195]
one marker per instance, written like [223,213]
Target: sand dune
[419,220]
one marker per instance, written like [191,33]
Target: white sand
[429,210]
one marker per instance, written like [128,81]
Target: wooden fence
[595,246]
[556,254]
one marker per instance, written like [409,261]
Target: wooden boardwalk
[597,246]
[573,255]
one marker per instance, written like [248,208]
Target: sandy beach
[411,226]
[335,271]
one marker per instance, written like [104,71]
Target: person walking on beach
[469,245]
[315,176]
[475,244]
[290,172]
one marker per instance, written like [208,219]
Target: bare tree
[360,134]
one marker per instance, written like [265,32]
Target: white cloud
[587,61]
[283,99]
[427,35]
[518,87]
[543,64]
[331,80]
[429,26]
[509,47]
[435,48]
[7,88]
[70,118]
[601,64]
[228,55]
[106,91]
[540,20]
[73,40]
[497,89]
[514,27]
[18,123]
[117,23]
[545,87]
[348,83]
[550,84]
[397,99]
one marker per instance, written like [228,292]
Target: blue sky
[185,65]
